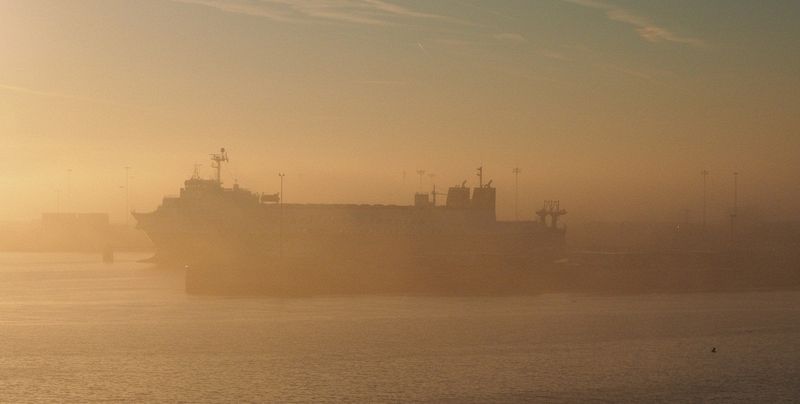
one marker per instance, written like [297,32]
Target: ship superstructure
[209,224]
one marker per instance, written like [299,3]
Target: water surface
[75,329]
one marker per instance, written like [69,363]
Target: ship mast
[217,160]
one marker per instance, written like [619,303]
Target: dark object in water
[714,350]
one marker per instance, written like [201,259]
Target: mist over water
[399,201]
[75,329]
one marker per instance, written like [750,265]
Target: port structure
[551,208]
[434,193]
[216,162]
[432,177]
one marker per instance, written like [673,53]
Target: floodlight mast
[421,173]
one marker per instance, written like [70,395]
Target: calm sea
[75,329]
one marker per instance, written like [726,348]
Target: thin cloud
[626,71]
[246,8]
[510,36]
[366,12]
[487,11]
[381,82]
[656,76]
[398,10]
[645,28]
[550,54]
[51,94]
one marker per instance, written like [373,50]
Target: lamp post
[705,199]
[735,213]
[68,199]
[280,220]
[516,172]
[127,204]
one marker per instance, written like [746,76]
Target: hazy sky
[612,106]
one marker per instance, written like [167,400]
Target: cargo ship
[232,240]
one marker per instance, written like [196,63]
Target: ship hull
[267,257]
[443,274]
[338,234]
[500,275]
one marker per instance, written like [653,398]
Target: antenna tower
[217,160]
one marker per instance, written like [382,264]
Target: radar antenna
[217,160]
